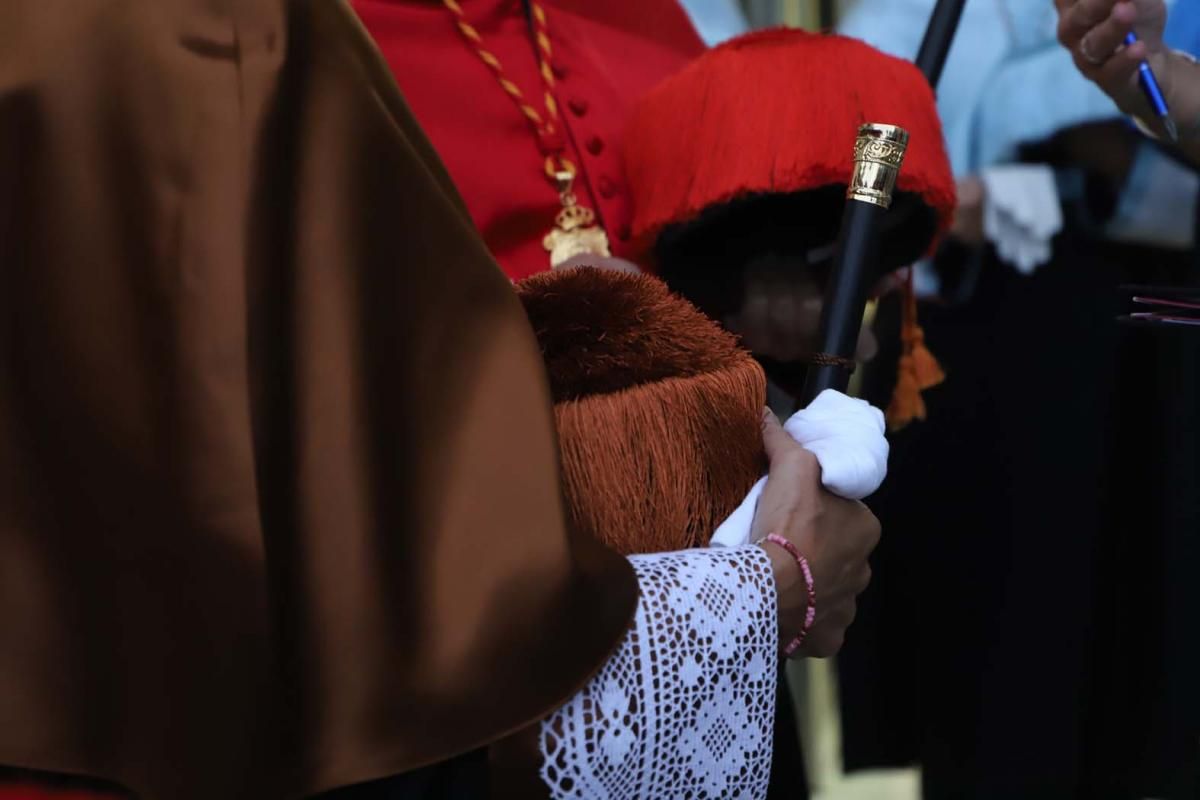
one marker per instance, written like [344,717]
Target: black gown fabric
[789,779]
[1030,631]
[1144,717]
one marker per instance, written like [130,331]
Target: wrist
[1182,94]
[789,590]
[1177,74]
[795,592]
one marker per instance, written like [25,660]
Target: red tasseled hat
[773,115]
[776,112]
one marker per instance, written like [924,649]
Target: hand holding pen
[1100,36]
[1153,93]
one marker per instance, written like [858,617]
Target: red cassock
[606,54]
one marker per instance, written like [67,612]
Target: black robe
[1031,627]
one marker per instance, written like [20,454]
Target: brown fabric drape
[279,502]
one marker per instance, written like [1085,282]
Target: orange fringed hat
[658,409]
[763,159]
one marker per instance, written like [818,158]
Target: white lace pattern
[685,706]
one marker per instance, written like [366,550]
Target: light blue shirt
[1007,80]
[715,20]
[1183,27]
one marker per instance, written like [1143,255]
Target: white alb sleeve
[685,706]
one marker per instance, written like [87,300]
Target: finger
[822,644]
[849,615]
[864,580]
[1101,43]
[1119,70]
[776,440]
[826,637]
[875,529]
[1076,21]
[837,614]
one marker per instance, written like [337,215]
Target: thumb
[776,440]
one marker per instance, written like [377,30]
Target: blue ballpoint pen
[1153,92]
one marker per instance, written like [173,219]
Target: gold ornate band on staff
[878,153]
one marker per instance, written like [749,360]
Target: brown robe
[279,505]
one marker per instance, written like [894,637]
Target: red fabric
[776,112]
[606,55]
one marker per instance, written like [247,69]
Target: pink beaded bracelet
[811,613]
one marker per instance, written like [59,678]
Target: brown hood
[279,500]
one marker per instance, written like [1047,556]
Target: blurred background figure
[1029,630]
[1056,463]
[1112,42]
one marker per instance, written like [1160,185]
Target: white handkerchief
[847,437]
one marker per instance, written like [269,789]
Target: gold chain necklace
[575,231]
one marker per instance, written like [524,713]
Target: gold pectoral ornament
[575,231]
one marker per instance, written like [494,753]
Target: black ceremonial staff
[878,155]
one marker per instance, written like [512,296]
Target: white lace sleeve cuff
[685,706]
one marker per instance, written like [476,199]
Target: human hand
[1094,32]
[835,535]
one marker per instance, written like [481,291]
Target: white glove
[1021,213]
[847,437]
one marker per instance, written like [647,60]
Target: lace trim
[685,706]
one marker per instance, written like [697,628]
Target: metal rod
[858,240]
[878,153]
[826,15]
[845,298]
[939,35]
